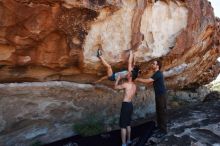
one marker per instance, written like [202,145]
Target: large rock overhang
[54,40]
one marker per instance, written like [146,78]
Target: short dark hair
[159,63]
[134,73]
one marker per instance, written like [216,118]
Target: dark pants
[161,110]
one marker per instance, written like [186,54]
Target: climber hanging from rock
[112,76]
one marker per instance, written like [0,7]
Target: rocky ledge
[195,125]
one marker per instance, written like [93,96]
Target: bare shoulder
[133,84]
[125,84]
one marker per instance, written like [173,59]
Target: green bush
[89,127]
[37,143]
[114,122]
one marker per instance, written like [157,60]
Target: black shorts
[112,77]
[125,116]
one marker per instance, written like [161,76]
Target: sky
[216,6]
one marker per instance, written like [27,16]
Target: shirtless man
[127,107]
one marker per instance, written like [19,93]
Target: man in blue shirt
[160,95]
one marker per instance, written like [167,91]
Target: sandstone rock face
[46,40]
[58,40]
[47,111]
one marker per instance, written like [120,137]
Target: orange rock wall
[57,40]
